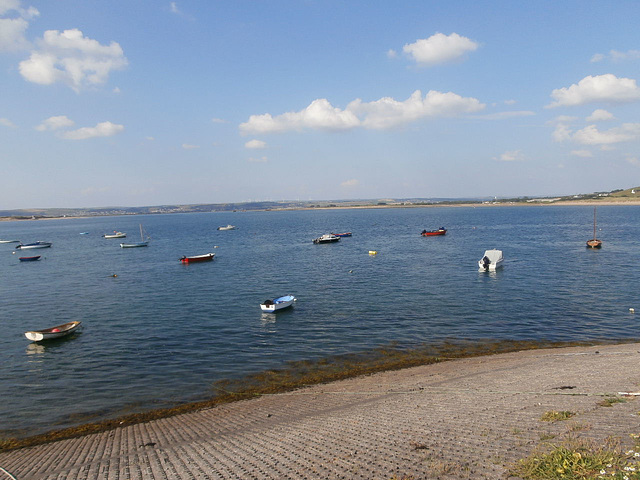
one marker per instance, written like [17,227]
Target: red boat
[432,233]
[29,259]
[207,257]
[345,234]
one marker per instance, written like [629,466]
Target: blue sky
[147,102]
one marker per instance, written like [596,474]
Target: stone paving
[460,419]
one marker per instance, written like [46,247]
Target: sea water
[157,333]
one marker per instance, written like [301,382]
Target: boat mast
[594,223]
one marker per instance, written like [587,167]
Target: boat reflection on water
[35,349]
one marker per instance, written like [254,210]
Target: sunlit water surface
[160,332]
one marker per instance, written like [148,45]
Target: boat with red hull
[345,234]
[29,259]
[433,233]
[207,257]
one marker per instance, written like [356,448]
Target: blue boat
[346,234]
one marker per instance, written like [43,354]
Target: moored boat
[9,241]
[29,259]
[491,260]
[228,227]
[433,233]
[33,245]
[115,235]
[198,258]
[594,242]
[53,332]
[279,303]
[346,234]
[141,243]
[326,238]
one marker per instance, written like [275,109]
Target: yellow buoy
[373,252]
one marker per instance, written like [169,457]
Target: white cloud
[174,7]
[320,115]
[439,48]
[510,102]
[116,90]
[617,56]
[628,55]
[599,115]
[392,53]
[71,58]
[581,153]
[503,115]
[5,122]
[633,160]
[350,183]
[12,29]
[218,120]
[151,139]
[561,133]
[381,114]
[188,146]
[601,88]
[55,123]
[255,144]
[511,156]
[389,113]
[258,160]
[104,129]
[590,135]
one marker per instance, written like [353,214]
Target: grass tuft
[578,460]
[555,416]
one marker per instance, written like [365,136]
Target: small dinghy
[53,332]
[492,259]
[207,257]
[33,245]
[433,233]
[228,227]
[345,234]
[115,235]
[29,259]
[9,241]
[279,303]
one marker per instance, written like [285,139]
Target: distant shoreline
[586,203]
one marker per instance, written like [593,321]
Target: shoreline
[568,203]
[290,378]
[466,418]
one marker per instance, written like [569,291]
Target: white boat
[9,241]
[33,245]
[491,260]
[228,227]
[115,235]
[53,332]
[279,303]
[326,238]
[141,243]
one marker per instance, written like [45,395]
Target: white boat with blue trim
[271,306]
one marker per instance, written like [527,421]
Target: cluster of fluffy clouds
[596,89]
[66,57]
[62,122]
[71,58]
[381,114]
[14,21]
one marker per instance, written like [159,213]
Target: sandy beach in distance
[619,202]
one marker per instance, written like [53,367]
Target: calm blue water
[161,332]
